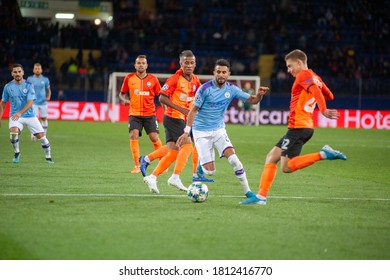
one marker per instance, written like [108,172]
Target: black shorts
[174,128]
[293,141]
[149,123]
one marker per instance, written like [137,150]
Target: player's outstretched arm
[331,114]
[321,103]
[254,99]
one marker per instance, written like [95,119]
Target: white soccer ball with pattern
[198,192]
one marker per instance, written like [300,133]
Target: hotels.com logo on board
[366,119]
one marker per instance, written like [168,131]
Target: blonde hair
[297,54]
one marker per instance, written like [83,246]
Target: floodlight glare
[64,16]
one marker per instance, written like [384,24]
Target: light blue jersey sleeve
[4,96]
[212,102]
[240,94]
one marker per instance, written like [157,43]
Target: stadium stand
[347,41]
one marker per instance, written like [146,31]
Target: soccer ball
[198,192]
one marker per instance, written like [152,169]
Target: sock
[45,146]
[267,178]
[199,171]
[14,138]
[240,172]
[45,124]
[182,158]
[157,144]
[159,153]
[134,147]
[195,160]
[165,162]
[303,161]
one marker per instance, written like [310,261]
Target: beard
[221,81]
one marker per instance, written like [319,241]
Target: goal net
[235,113]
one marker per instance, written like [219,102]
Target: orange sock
[267,178]
[165,162]
[182,158]
[303,161]
[157,144]
[159,153]
[134,147]
[195,159]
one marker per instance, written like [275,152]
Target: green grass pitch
[88,205]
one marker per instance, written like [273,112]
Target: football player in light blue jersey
[43,94]
[213,101]
[21,95]
[206,119]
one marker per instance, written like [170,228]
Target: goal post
[116,79]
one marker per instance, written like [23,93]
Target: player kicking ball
[307,91]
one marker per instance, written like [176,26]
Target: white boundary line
[175,195]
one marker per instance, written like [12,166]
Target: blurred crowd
[343,39]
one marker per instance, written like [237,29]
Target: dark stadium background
[347,42]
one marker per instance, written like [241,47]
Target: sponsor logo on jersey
[183,97]
[140,92]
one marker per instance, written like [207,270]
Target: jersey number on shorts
[285,144]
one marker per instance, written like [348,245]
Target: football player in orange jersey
[307,91]
[141,88]
[177,95]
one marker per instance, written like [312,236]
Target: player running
[207,121]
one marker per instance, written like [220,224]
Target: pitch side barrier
[102,111]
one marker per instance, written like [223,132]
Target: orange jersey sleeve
[328,95]
[141,93]
[307,91]
[181,92]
